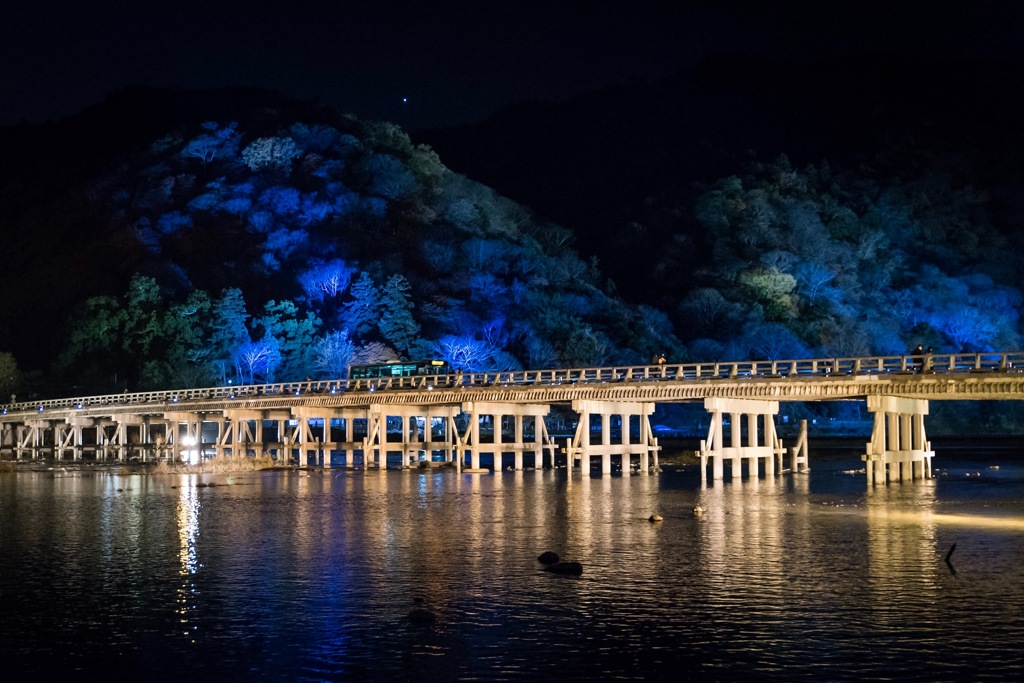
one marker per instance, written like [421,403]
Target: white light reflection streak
[188,530]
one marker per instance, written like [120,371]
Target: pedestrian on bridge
[917,357]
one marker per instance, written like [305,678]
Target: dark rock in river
[548,557]
[567,568]
[421,615]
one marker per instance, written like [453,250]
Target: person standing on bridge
[917,357]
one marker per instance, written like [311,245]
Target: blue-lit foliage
[846,266]
[375,241]
[325,281]
[363,246]
[464,353]
[332,354]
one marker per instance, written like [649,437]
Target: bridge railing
[937,363]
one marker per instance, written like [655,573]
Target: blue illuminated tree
[389,176]
[256,360]
[218,142]
[271,154]
[464,353]
[332,354]
[325,280]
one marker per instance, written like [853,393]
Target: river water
[303,575]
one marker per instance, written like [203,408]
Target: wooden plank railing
[803,368]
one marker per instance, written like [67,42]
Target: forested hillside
[741,210]
[283,249]
[774,209]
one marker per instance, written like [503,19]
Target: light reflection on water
[312,576]
[188,531]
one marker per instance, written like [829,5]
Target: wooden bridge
[453,419]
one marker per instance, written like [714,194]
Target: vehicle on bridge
[398,368]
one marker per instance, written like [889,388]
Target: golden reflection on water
[460,540]
[188,531]
[742,549]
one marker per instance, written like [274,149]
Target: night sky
[430,64]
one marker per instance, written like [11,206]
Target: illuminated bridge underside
[457,417]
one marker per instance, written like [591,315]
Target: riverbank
[212,466]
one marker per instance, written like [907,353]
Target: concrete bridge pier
[158,440]
[899,449]
[416,431]
[67,438]
[243,432]
[7,439]
[428,429]
[31,439]
[184,447]
[124,442]
[755,414]
[582,447]
[299,439]
[516,412]
[325,444]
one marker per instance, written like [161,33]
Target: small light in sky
[404,100]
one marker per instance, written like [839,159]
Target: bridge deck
[983,376]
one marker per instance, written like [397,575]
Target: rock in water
[548,557]
[568,568]
[421,615]
[655,518]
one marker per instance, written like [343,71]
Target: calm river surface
[297,575]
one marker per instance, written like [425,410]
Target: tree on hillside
[256,360]
[361,314]
[464,353]
[294,334]
[10,376]
[332,354]
[271,154]
[218,142]
[229,332]
[188,357]
[91,355]
[325,280]
[397,324]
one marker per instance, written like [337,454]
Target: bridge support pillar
[519,445]
[417,434]
[7,439]
[72,439]
[582,448]
[326,445]
[757,414]
[238,434]
[185,447]
[899,449]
